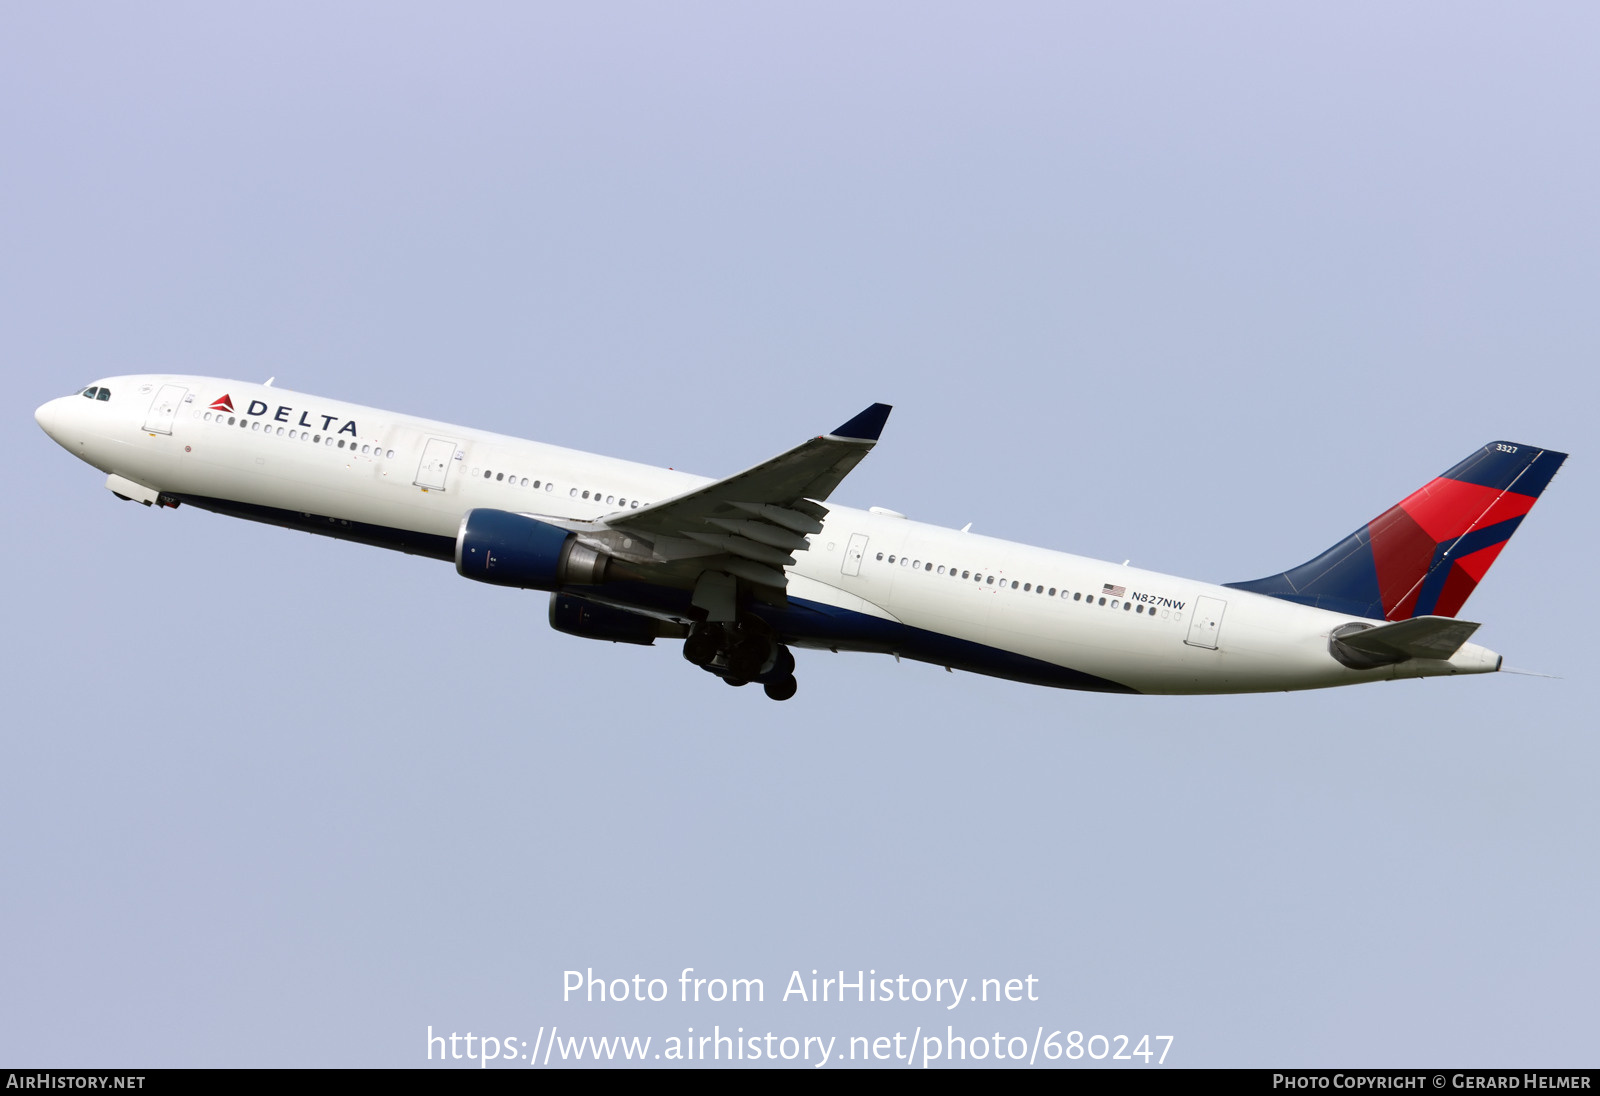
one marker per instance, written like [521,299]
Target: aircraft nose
[51,418]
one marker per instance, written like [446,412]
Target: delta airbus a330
[746,568]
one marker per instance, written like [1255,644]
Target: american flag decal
[1114,591]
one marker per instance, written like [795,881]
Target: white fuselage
[354,466]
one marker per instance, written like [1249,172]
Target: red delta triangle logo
[224,404]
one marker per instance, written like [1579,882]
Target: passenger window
[1102,601]
[1013,584]
[928,567]
[500,477]
[880,557]
[1078,596]
[964,574]
[991,580]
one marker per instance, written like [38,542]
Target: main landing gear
[740,654]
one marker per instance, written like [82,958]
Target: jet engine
[506,549]
[579,616]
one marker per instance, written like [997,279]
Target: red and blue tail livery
[1425,555]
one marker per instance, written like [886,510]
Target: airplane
[746,569]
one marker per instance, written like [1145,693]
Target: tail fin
[1425,555]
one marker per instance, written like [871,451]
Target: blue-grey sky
[1203,286]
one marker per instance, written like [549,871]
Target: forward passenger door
[434,469]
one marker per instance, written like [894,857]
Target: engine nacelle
[578,616]
[507,549]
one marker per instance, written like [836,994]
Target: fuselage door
[1206,623]
[164,408]
[854,553]
[435,466]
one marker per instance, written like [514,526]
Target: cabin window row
[609,500]
[511,479]
[388,454]
[330,440]
[1016,584]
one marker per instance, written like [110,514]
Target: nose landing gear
[740,654]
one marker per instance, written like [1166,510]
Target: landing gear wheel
[702,645]
[746,659]
[783,664]
[736,682]
[781,688]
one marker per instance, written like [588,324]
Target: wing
[746,527]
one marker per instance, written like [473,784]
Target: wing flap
[743,547]
[792,518]
[761,532]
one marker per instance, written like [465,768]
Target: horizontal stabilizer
[1419,637]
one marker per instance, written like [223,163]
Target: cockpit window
[91,393]
[105,394]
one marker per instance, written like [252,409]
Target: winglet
[867,426]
